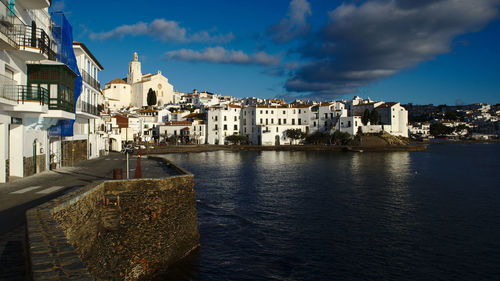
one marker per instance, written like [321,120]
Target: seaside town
[54,111]
[330,167]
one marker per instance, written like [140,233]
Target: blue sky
[426,51]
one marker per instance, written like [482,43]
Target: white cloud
[222,55]
[294,25]
[164,30]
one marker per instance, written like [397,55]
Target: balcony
[34,43]
[35,4]
[87,78]
[8,20]
[87,109]
[60,104]
[24,98]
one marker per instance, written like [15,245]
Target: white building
[183,131]
[35,91]
[222,121]
[136,94]
[117,94]
[88,106]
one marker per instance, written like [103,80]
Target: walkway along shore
[21,195]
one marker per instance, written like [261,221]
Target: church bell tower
[134,70]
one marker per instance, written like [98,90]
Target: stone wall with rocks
[119,230]
[7,170]
[28,163]
[73,152]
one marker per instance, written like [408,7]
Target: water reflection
[345,216]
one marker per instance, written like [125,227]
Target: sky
[425,51]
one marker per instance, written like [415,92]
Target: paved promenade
[26,193]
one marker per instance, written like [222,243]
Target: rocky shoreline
[343,148]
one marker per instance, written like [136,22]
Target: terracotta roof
[178,123]
[192,115]
[302,106]
[388,104]
[234,106]
[185,128]
[116,81]
[324,104]
[147,110]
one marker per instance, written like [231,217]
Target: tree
[294,134]
[374,117]
[366,117]
[237,139]
[151,98]
[439,129]
[318,138]
[341,138]
[450,115]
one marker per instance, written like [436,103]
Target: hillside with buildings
[54,111]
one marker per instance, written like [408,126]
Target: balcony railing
[25,36]
[87,108]
[22,94]
[90,80]
[8,19]
[60,104]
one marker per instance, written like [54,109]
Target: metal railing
[87,108]
[8,19]
[25,36]
[60,104]
[23,93]
[90,80]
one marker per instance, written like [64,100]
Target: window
[348,123]
[299,111]
[215,117]
[272,111]
[356,123]
[314,124]
[236,127]
[284,121]
[300,121]
[284,112]
[225,118]
[326,115]
[245,129]
[225,127]
[266,111]
[216,127]
[293,121]
[272,121]
[261,112]
[235,118]
[279,121]
[261,121]
[326,124]
[276,129]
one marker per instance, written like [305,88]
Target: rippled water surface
[346,216]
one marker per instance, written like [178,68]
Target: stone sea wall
[116,230]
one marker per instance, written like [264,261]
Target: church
[134,91]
